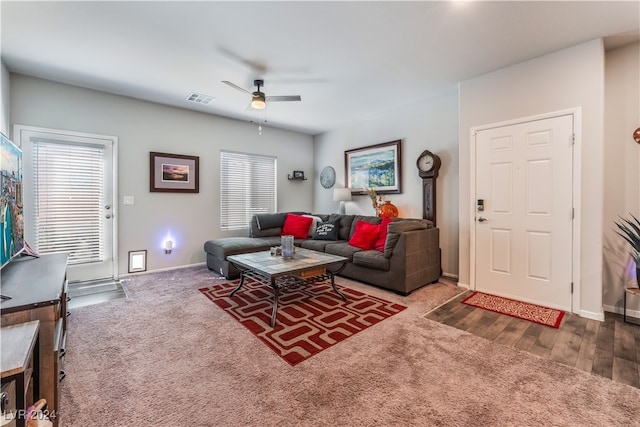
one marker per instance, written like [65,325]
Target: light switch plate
[128,200]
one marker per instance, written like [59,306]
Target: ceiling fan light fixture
[258,98]
[258,101]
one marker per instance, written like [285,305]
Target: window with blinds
[68,200]
[247,187]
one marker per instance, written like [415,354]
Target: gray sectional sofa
[411,256]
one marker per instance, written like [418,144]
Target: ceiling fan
[258,98]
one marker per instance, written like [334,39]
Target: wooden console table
[38,291]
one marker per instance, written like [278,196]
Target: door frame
[17,135]
[576,198]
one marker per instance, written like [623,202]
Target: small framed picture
[174,173]
[298,174]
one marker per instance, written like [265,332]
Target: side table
[630,291]
[20,361]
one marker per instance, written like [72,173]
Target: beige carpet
[167,356]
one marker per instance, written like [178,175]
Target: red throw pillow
[364,235]
[297,226]
[382,235]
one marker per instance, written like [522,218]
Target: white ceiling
[350,61]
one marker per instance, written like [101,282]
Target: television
[11,210]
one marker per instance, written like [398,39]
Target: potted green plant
[629,229]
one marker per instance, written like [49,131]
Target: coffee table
[304,268]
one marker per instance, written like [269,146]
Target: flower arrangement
[376,201]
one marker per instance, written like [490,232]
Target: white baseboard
[592,315]
[164,269]
[464,285]
[618,310]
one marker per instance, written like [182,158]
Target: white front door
[70,199]
[523,232]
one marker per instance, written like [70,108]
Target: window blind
[247,187]
[68,200]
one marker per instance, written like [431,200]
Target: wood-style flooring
[610,349]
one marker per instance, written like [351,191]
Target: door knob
[481,219]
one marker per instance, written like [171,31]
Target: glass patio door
[69,199]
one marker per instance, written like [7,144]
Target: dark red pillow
[364,235]
[382,235]
[297,226]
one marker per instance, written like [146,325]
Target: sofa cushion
[364,235]
[396,228]
[327,230]
[297,226]
[382,234]
[364,218]
[318,245]
[372,259]
[267,232]
[342,249]
[270,220]
[345,225]
[315,220]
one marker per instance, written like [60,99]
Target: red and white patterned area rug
[522,310]
[310,318]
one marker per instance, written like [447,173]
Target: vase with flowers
[381,207]
[376,200]
[629,229]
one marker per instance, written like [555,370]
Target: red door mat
[522,310]
[310,318]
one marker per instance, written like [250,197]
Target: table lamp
[341,195]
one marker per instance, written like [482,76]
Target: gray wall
[571,78]
[621,170]
[563,80]
[142,127]
[4,104]
[429,125]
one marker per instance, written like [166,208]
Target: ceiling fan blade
[255,66]
[235,86]
[284,98]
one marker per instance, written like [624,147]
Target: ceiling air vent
[200,99]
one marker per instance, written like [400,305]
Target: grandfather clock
[428,167]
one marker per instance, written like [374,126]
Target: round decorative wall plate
[328,177]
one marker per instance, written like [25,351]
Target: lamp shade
[258,104]
[258,101]
[341,195]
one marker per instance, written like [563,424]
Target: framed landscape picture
[375,166]
[174,173]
